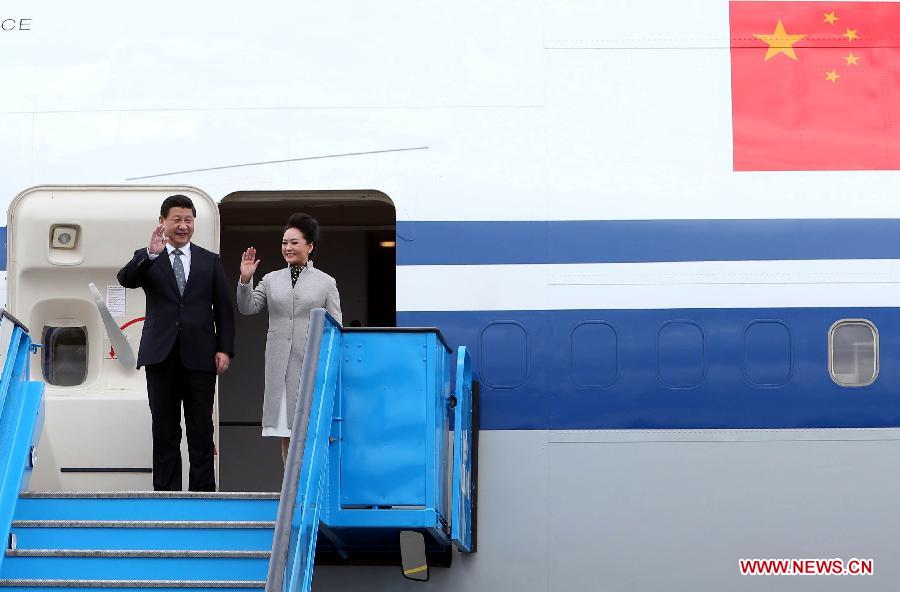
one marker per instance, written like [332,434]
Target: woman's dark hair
[176,201]
[307,226]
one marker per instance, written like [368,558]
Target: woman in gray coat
[290,294]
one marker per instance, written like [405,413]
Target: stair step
[38,585]
[143,524]
[174,553]
[143,505]
[144,534]
[69,567]
[150,494]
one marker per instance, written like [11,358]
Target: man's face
[178,226]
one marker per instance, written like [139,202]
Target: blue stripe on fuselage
[637,241]
[549,398]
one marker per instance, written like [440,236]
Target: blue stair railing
[21,414]
[297,523]
[464,449]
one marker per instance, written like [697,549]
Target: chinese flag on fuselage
[815,85]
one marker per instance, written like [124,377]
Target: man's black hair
[176,201]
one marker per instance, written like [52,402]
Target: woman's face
[294,247]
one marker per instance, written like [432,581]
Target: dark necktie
[178,266]
[295,273]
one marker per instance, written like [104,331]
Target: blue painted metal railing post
[297,524]
[20,417]
[463,487]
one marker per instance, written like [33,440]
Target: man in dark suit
[188,339]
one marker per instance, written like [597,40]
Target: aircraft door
[96,435]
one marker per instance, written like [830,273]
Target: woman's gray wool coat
[289,309]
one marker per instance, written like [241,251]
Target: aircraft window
[767,353]
[680,354]
[504,354]
[65,355]
[594,356]
[853,352]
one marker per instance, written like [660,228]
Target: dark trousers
[169,386]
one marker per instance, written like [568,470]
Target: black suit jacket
[204,316]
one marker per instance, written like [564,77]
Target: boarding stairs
[377,408]
[140,540]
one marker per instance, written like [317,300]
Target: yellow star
[851,34]
[852,60]
[780,42]
[830,18]
[832,76]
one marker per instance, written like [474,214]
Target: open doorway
[356,246]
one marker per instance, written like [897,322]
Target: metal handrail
[281,543]
[20,416]
[5,313]
[7,334]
